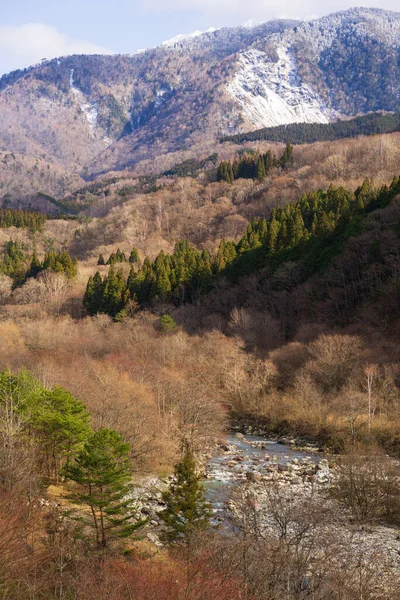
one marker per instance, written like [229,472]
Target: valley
[200,317]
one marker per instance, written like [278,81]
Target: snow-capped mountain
[272,93]
[109,112]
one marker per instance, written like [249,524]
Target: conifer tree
[167,323]
[60,423]
[93,298]
[260,169]
[134,257]
[115,293]
[36,266]
[186,509]
[112,259]
[101,260]
[102,472]
[287,156]
[272,236]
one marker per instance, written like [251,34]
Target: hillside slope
[93,114]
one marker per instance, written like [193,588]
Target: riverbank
[280,483]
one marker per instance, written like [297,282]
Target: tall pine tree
[186,509]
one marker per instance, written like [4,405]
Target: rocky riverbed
[253,459]
[251,464]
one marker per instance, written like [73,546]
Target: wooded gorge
[135,336]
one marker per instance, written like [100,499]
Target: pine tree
[134,257]
[186,509]
[115,292]
[59,423]
[120,256]
[297,228]
[287,156]
[101,260]
[167,323]
[36,266]
[112,259]
[230,173]
[260,169]
[272,236]
[102,472]
[93,298]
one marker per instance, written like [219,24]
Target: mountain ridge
[92,114]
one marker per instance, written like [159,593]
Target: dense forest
[21,218]
[311,231]
[19,265]
[254,165]
[308,133]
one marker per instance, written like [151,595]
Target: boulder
[253,476]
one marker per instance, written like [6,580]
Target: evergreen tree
[268,161]
[167,323]
[287,156]
[186,509]
[101,260]
[297,228]
[120,256]
[102,472]
[260,169]
[115,292]
[272,236]
[134,257]
[93,298]
[59,423]
[112,259]
[36,265]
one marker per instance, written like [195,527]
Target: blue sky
[34,29]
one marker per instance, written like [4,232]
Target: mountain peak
[194,88]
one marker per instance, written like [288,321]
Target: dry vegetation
[293,362]
[289,389]
[205,212]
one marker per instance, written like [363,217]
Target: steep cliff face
[92,114]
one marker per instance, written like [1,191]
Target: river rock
[238,458]
[253,476]
[296,481]
[154,539]
[322,476]
[283,440]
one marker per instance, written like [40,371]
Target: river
[247,457]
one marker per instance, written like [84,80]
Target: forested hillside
[307,133]
[306,235]
[83,116]
[200,318]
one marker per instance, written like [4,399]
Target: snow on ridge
[89,110]
[272,94]
[185,37]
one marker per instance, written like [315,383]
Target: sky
[31,30]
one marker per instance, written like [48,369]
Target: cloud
[27,44]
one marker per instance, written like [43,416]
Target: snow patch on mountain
[89,110]
[182,38]
[272,93]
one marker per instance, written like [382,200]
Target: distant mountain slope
[308,133]
[92,114]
